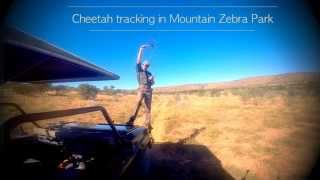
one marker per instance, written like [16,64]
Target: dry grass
[271,136]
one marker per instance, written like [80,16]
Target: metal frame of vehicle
[28,59]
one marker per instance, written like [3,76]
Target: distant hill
[272,80]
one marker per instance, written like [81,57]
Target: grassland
[266,132]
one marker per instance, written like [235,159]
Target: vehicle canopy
[26,58]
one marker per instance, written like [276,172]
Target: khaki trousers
[145,96]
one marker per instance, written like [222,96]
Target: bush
[60,90]
[109,90]
[215,92]
[88,91]
[29,88]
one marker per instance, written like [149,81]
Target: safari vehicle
[62,149]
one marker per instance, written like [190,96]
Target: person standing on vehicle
[145,81]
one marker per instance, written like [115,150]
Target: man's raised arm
[140,53]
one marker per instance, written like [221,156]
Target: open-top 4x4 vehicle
[61,149]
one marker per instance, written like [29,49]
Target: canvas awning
[29,59]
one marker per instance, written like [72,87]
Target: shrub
[29,88]
[88,91]
[215,92]
[109,90]
[60,89]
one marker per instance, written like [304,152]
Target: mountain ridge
[255,81]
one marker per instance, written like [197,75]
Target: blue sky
[288,45]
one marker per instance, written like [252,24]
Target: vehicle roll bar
[31,117]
